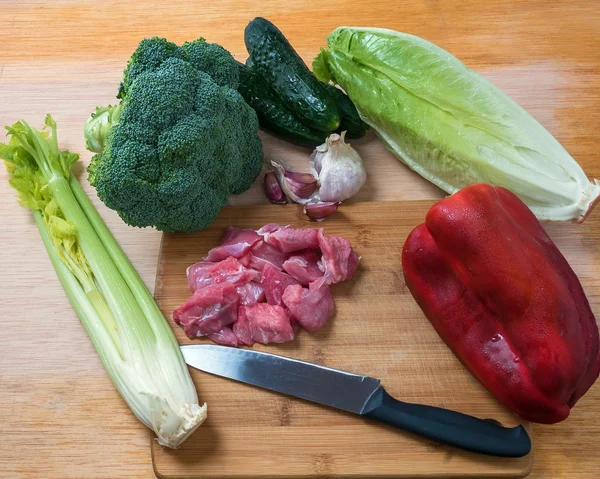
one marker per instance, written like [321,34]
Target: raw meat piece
[271,264]
[262,254]
[208,311]
[199,270]
[229,270]
[236,242]
[269,323]
[288,239]
[245,260]
[311,307]
[225,337]
[268,228]
[250,293]
[241,328]
[339,259]
[295,324]
[304,267]
[274,283]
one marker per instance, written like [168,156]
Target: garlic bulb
[339,168]
[337,173]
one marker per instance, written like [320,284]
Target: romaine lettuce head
[451,125]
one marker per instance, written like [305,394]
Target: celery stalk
[177,372]
[136,345]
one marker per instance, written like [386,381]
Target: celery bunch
[130,334]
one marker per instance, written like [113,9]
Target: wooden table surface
[60,416]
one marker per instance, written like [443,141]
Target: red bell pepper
[504,299]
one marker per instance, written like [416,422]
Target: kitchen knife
[361,395]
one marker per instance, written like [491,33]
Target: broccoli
[214,60]
[98,125]
[148,56]
[179,143]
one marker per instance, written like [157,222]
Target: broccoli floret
[148,56]
[182,141]
[214,60]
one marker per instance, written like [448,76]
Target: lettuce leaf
[451,125]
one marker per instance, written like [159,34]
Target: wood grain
[377,330]
[59,414]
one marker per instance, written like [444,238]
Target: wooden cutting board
[377,330]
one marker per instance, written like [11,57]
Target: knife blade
[362,395]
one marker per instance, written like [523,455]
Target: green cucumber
[273,116]
[274,59]
[351,121]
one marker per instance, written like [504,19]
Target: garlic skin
[273,189]
[281,170]
[320,211]
[316,159]
[339,168]
[302,184]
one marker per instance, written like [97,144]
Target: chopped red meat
[208,310]
[245,260]
[339,259]
[288,239]
[262,254]
[311,307]
[268,228]
[274,283]
[241,328]
[295,324]
[263,323]
[229,270]
[236,242]
[304,266]
[225,337]
[269,323]
[250,288]
[250,293]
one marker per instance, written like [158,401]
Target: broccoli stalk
[98,125]
[180,142]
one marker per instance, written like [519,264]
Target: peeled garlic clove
[273,189]
[320,211]
[302,185]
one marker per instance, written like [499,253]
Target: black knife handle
[449,427]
